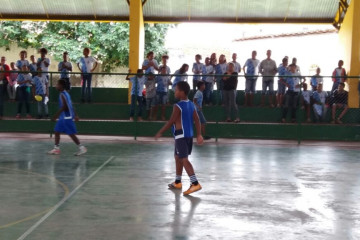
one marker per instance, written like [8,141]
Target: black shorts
[67,84]
[183,147]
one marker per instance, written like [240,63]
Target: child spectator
[44,63]
[316,79]
[320,108]
[11,88]
[198,101]
[24,80]
[306,101]
[33,66]
[230,84]
[180,75]
[164,59]
[268,69]
[163,82]
[251,75]
[292,94]
[4,81]
[340,99]
[41,88]
[338,76]
[297,69]
[22,61]
[283,72]
[150,64]
[150,95]
[237,66]
[213,60]
[87,66]
[220,70]
[137,86]
[197,69]
[65,67]
[208,78]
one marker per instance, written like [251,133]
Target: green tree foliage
[109,42]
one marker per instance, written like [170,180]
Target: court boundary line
[59,204]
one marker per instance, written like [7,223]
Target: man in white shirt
[268,69]
[86,65]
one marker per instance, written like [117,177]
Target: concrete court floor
[250,191]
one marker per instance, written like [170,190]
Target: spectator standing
[306,95]
[150,64]
[283,72]
[44,63]
[137,86]
[87,66]
[250,69]
[150,95]
[291,98]
[237,66]
[4,81]
[197,69]
[338,76]
[268,70]
[229,92]
[24,80]
[198,102]
[11,88]
[316,79]
[22,61]
[180,75]
[41,88]
[220,70]
[164,60]
[33,66]
[163,82]
[208,78]
[65,67]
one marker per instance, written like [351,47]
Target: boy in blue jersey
[181,121]
[65,124]
[41,87]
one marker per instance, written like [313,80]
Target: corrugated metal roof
[175,10]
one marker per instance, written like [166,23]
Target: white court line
[41,220]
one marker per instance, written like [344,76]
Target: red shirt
[5,72]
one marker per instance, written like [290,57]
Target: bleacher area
[109,114]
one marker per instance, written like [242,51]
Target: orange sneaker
[175,185]
[193,188]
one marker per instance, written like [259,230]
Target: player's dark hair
[184,87]
[61,82]
[199,84]
[342,84]
[182,69]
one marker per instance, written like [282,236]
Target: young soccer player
[33,66]
[198,102]
[20,63]
[320,107]
[41,87]
[66,115]
[181,121]
[12,82]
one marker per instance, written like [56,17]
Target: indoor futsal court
[118,190]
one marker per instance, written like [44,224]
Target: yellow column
[349,36]
[137,37]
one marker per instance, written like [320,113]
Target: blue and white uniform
[198,97]
[66,124]
[179,78]
[40,84]
[20,63]
[137,85]
[184,136]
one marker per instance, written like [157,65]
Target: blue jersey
[199,99]
[20,63]
[69,114]
[187,110]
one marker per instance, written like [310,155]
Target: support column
[137,37]
[349,36]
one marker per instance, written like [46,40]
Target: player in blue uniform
[181,121]
[65,124]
